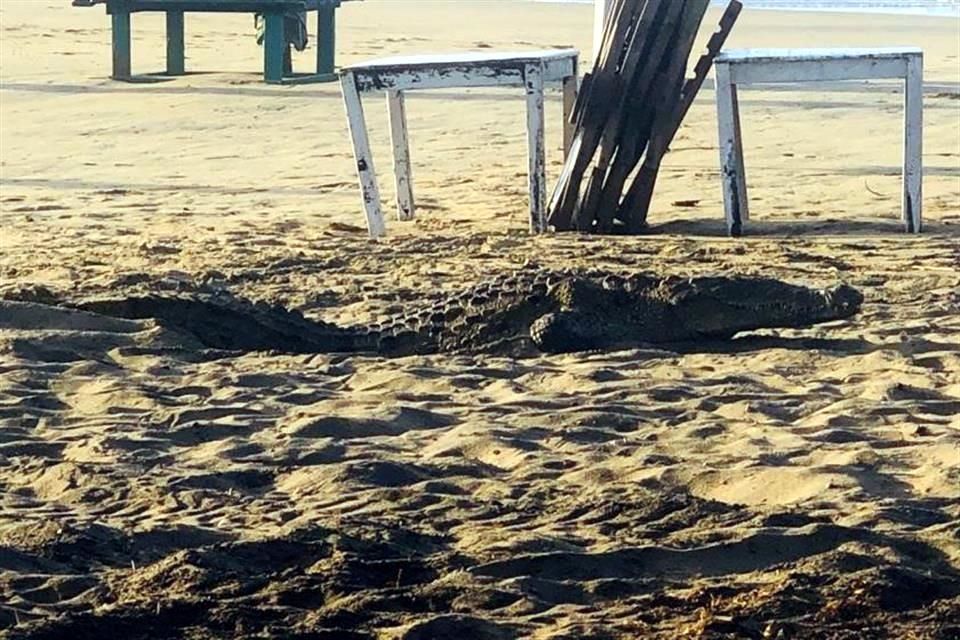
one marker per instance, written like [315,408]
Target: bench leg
[121,45]
[175,44]
[569,102]
[913,147]
[274,45]
[731,153]
[401,154]
[326,39]
[364,158]
[533,82]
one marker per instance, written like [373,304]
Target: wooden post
[175,44]
[121,45]
[601,11]
[639,197]
[326,38]
[274,45]
[533,82]
[913,146]
[599,94]
[731,159]
[369,190]
[401,154]
[648,86]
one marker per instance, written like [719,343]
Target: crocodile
[542,310]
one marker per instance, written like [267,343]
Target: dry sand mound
[801,483]
[793,484]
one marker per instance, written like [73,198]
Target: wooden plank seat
[276,49]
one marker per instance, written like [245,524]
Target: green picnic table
[276,48]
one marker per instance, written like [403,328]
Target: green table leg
[326,38]
[121,46]
[287,61]
[175,45]
[273,46]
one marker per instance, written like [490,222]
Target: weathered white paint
[426,61]
[461,70]
[735,205]
[805,65]
[530,70]
[369,191]
[536,151]
[396,107]
[856,54]
[748,66]
[913,146]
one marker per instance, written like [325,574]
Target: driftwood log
[629,110]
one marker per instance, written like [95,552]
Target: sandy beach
[791,484]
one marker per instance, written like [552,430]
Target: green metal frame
[276,52]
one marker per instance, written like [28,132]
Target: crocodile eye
[611,283]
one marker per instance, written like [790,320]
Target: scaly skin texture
[556,311]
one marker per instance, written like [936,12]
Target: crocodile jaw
[722,307]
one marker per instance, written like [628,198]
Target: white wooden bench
[750,66]
[528,69]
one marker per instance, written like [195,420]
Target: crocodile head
[722,307]
[594,315]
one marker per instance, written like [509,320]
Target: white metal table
[748,66]
[528,69]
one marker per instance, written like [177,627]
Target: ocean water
[946,8]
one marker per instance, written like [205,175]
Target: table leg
[533,82]
[569,102]
[287,60]
[741,164]
[396,107]
[121,45]
[326,38]
[274,45]
[913,147]
[731,152]
[175,44]
[364,158]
